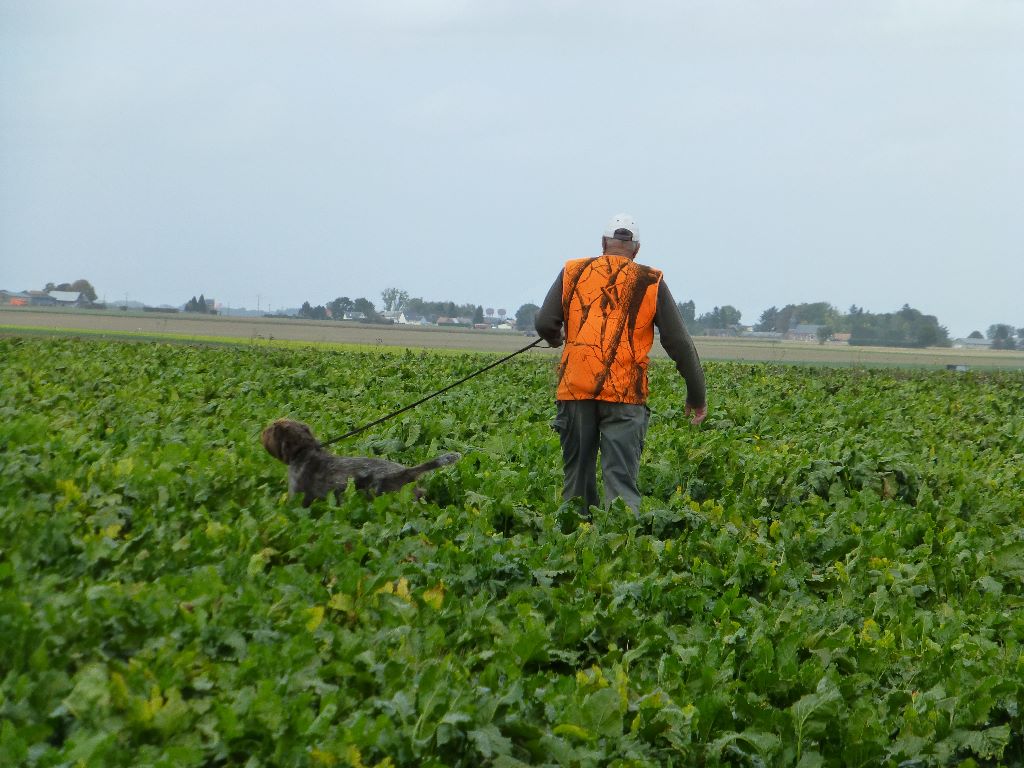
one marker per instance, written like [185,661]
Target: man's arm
[677,342]
[548,320]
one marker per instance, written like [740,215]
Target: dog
[314,471]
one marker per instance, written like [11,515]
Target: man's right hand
[698,414]
[555,342]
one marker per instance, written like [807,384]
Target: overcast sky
[867,152]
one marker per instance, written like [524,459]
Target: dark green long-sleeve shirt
[674,336]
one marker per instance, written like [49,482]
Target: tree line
[397,300]
[906,327]
[200,305]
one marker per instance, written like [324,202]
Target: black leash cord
[428,397]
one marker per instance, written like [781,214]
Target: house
[354,316]
[972,344]
[410,318]
[41,299]
[15,298]
[803,332]
[841,338]
[69,298]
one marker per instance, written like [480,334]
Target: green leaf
[13,749]
[506,761]
[1009,560]
[602,714]
[812,710]
[764,744]
[91,695]
[987,744]
[811,760]
[569,729]
[489,741]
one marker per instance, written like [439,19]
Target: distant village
[904,328]
[470,317]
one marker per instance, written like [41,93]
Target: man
[605,310]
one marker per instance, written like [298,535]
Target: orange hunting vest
[608,304]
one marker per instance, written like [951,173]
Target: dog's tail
[441,461]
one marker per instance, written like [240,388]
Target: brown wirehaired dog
[314,471]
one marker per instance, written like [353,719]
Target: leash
[435,394]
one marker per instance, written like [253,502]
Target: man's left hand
[698,414]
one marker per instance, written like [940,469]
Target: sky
[269,153]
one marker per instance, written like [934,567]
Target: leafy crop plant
[830,572]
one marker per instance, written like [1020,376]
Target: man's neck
[627,253]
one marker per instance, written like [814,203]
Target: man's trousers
[617,431]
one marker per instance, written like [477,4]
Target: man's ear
[636,250]
[604,244]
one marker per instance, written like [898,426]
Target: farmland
[829,571]
[188,326]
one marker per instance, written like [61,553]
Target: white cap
[623,227]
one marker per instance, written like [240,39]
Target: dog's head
[285,439]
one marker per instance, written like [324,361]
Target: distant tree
[418,306]
[1001,336]
[815,313]
[198,305]
[824,333]
[339,307]
[366,307]
[478,315]
[85,288]
[975,335]
[768,320]
[720,317]
[432,310]
[318,312]
[394,299]
[907,327]
[525,316]
[688,310]
[926,335]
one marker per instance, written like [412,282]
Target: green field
[828,572]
